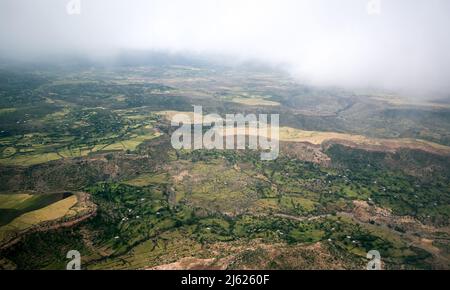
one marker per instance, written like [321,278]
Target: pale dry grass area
[316,137]
[404,101]
[28,160]
[11,201]
[289,134]
[255,102]
[193,263]
[54,211]
[187,117]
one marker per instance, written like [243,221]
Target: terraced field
[23,213]
[354,173]
[15,204]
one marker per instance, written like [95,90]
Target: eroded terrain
[356,172]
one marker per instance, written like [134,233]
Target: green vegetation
[424,198]
[105,131]
[81,133]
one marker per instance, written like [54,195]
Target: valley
[86,163]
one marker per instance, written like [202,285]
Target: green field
[16,204]
[354,173]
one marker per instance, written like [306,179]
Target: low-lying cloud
[399,44]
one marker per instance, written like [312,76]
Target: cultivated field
[354,173]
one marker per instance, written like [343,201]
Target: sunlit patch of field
[292,135]
[13,205]
[404,101]
[28,160]
[256,101]
[191,117]
[120,98]
[289,134]
[51,212]
[56,116]
[5,111]
[169,114]
[136,117]
[131,143]
[13,201]
[317,138]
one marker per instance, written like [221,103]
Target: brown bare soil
[191,263]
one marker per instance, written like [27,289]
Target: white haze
[327,42]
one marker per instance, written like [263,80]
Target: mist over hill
[401,45]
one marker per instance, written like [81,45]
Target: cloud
[329,42]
